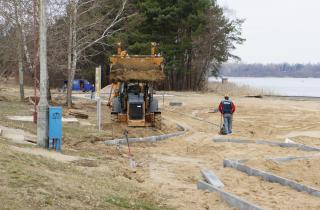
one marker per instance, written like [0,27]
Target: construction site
[269,162]
[97,123]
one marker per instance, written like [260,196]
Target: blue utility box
[55,128]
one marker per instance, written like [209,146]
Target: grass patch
[131,204]
[13,108]
[235,90]
[75,131]
[16,108]
[34,182]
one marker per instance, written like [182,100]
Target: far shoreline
[279,86]
[296,98]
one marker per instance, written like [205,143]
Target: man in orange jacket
[227,108]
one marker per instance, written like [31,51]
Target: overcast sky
[278,30]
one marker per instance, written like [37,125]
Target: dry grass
[32,182]
[9,108]
[235,90]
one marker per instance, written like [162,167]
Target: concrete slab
[291,158]
[211,178]
[30,119]
[314,134]
[240,141]
[21,118]
[232,200]
[17,135]
[165,95]
[8,134]
[70,120]
[287,140]
[271,143]
[283,159]
[271,177]
[144,139]
[147,139]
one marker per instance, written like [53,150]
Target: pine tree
[186,32]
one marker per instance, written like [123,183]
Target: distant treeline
[194,36]
[271,70]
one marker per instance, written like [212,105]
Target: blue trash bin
[55,128]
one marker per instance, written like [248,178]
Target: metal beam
[271,143]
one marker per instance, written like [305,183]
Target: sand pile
[125,75]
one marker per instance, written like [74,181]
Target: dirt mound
[124,75]
[137,68]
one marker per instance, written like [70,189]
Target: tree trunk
[25,47]
[189,60]
[72,51]
[19,50]
[69,89]
[20,64]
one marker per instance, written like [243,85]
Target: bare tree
[18,18]
[89,24]
[84,33]
[11,10]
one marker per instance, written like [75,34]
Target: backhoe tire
[157,121]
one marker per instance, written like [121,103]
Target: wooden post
[98,88]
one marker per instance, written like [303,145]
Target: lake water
[280,86]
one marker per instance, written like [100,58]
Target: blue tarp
[81,85]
